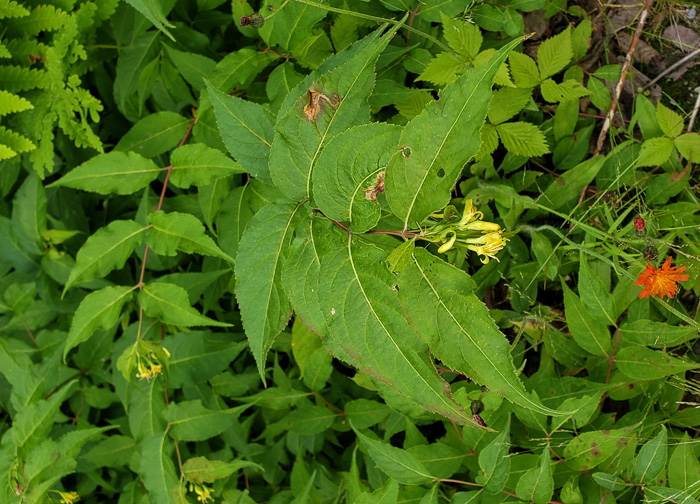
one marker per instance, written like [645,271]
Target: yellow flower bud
[448,245]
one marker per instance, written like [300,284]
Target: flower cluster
[467,230]
[661,282]
[203,492]
[68,497]
[148,365]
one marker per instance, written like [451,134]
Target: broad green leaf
[655,152]
[599,94]
[398,464]
[112,173]
[114,451]
[155,134]
[99,310]
[595,297]
[197,164]
[670,122]
[588,331]
[300,273]
[234,214]
[564,192]
[265,308]
[366,326]
[507,102]
[642,363]
[364,413]
[175,231]
[191,421]
[198,356]
[570,89]
[438,301]
[537,485]
[132,61]
[247,130]
[609,72]
[313,359]
[170,304]
[651,459]
[106,250]
[591,449]
[349,174]
[524,70]
[464,38]
[29,215]
[156,11]
[193,67]
[683,466]
[523,139]
[307,420]
[688,145]
[493,462]
[292,26]
[210,197]
[202,470]
[656,334]
[239,68]
[435,145]
[555,53]
[609,481]
[441,460]
[302,131]
[664,494]
[157,470]
[442,69]
[146,407]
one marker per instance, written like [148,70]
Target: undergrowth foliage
[314,254]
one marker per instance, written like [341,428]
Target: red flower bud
[639,224]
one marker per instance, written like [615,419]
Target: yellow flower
[203,492]
[488,246]
[68,497]
[470,213]
[448,245]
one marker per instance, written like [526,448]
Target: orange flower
[660,282]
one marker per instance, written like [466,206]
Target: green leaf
[464,38]
[247,130]
[155,11]
[190,421]
[524,70]
[112,173]
[342,103]
[157,470]
[199,165]
[591,449]
[349,174]
[683,466]
[656,334]
[202,470]
[507,102]
[564,193]
[198,356]
[114,451]
[106,250]
[555,53]
[193,67]
[537,485]
[651,459]
[132,61]
[435,145]
[265,308]
[594,295]
[609,481]
[655,152]
[398,464]
[442,69]
[366,327]
[155,134]
[313,359]
[239,68]
[599,94]
[29,215]
[642,363]
[99,310]
[170,304]
[670,122]
[438,301]
[179,231]
[663,494]
[688,145]
[306,420]
[493,462]
[523,139]
[609,72]
[588,331]
[568,90]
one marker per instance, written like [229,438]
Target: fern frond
[24,50]
[6,152]
[15,78]
[42,157]
[41,19]
[12,9]
[15,141]
[11,103]
[4,52]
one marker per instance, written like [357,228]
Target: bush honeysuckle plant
[340,252]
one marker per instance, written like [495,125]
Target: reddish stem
[410,23]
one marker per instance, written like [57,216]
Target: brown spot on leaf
[378,187]
[594,450]
[312,108]
[631,386]
[606,432]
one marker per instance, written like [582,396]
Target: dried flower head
[661,282]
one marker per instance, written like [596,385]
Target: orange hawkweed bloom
[661,282]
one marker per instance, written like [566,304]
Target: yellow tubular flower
[494,242]
[203,493]
[448,244]
[481,226]
[68,497]
[470,213]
